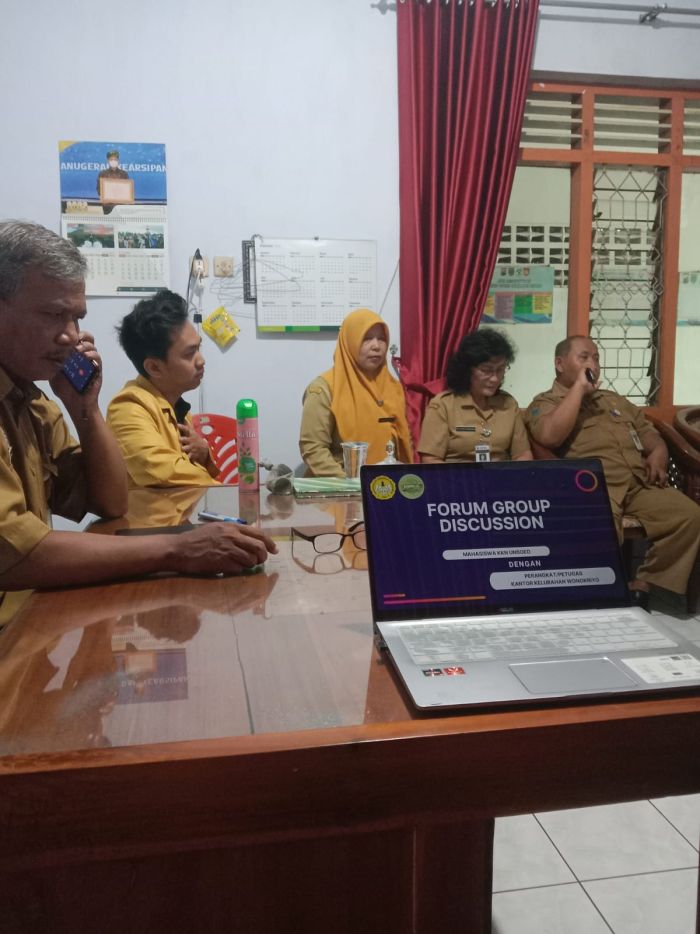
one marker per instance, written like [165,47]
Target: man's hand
[585,384]
[656,463]
[195,448]
[553,428]
[221,548]
[79,404]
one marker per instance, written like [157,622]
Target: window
[624,249]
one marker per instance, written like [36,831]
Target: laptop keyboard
[483,640]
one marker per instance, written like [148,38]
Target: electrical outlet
[203,263]
[223,266]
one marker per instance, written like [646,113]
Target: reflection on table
[177,658]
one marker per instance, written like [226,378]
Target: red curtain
[463,78]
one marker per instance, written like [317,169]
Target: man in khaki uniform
[43,469]
[575,418]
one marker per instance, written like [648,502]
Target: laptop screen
[472,539]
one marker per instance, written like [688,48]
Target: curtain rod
[646,14]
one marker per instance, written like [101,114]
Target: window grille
[627,277]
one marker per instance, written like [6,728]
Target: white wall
[614,43]
[279,118]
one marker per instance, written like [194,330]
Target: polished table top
[285,648]
[283,658]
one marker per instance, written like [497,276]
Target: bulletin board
[311,285]
[520,295]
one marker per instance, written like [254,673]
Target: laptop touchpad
[565,677]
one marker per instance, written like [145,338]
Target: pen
[218,517]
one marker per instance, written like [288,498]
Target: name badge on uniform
[636,441]
[482,453]
[465,427]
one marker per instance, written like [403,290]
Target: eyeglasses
[325,543]
[488,371]
[333,563]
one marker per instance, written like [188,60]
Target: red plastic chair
[220,433]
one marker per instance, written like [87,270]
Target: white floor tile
[559,909]
[617,840]
[523,856]
[684,813]
[662,903]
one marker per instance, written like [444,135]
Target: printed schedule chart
[311,285]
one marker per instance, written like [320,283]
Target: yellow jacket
[145,426]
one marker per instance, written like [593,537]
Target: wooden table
[233,755]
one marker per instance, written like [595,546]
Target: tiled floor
[625,868]
[622,868]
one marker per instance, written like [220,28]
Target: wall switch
[223,266]
[204,265]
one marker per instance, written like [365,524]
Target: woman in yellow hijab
[356,400]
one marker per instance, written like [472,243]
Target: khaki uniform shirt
[606,427]
[453,425]
[145,426]
[319,441]
[41,470]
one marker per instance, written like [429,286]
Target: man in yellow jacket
[148,416]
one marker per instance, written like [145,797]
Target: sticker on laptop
[665,669]
[411,486]
[432,672]
[382,487]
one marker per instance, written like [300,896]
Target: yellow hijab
[358,401]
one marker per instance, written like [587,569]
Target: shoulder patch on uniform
[316,389]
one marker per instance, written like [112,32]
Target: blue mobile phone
[79,370]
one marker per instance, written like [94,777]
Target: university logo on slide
[382,487]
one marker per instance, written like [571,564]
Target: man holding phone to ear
[575,418]
[43,469]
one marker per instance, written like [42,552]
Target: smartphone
[79,370]
[589,376]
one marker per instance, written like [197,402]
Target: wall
[279,118]
[614,44]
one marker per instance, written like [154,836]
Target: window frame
[582,159]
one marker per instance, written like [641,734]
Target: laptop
[503,583]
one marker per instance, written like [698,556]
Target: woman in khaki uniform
[474,419]
[356,400]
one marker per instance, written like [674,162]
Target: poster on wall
[114,209]
[520,295]
[689,298]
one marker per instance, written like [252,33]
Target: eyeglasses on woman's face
[325,543]
[491,370]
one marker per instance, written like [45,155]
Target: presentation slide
[479,538]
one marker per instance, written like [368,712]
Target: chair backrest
[684,457]
[687,421]
[220,433]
